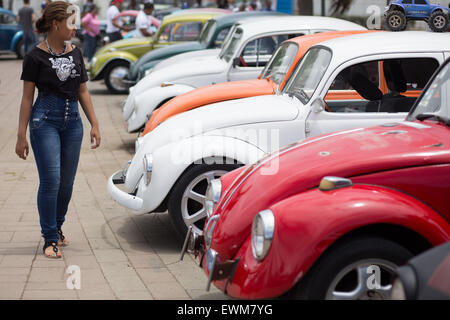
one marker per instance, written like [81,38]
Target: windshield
[435,100]
[229,47]
[280,63]
[308,74]
[208,31]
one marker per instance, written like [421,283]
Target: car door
[355,96]
[249,61]
[421,8]
[8,28]
[409,6]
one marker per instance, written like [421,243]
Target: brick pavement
[120,255]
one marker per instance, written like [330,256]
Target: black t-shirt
[55,75]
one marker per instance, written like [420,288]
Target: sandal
[62,239]
[55,250]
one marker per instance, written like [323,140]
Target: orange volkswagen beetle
[276,73]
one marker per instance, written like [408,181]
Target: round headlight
[148,167]
[213,193]
[262,234]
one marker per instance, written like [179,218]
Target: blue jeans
[56,133]
[89,46]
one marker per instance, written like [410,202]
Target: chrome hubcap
[193,202]
[395,21]
[439,22]
[363,280]
[116,76]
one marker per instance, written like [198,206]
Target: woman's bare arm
[22,148]
[86,104]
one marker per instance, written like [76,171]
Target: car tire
[396,20]
[180,206]
[438,21]
[20,49]
[114,71]
[327,279]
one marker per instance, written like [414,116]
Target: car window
[6,19]
[259,51]
[407,1]
[186,31]
[303,83]
[208,31]
[390,85]
[221,37]
[420,2]
[280,62]
[436,99]
[230,44]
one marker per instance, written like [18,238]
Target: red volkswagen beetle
[341,212]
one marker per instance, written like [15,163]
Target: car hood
[164,52]
[188,68]
[125,44]
[200,121]
[208,95]
[301,167]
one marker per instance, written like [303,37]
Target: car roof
[388,42]
[2,10]
[238,16]
[188,14]
[267,24]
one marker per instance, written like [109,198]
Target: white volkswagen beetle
[176,161]
[244,54]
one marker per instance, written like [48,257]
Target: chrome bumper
[125,199]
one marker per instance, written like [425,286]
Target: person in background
[134,5]
[44,4]
[243,6]
[91,26]
[113,25]
[143,23]
[26,18]
[268,6]
[87,7]
[253,6]
[197,4]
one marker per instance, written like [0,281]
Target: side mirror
[318,105]
[236,62]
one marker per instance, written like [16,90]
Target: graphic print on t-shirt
[63,67]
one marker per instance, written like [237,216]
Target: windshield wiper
[424,116]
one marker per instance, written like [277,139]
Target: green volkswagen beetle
[112,62]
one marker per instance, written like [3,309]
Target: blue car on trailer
[11,34]
[399,12]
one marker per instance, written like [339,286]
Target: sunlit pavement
[120,255]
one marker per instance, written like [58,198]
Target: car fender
[310,222]
[171,160]
[105,59]
[17,37]
[146,102]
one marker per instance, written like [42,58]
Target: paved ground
[120,255]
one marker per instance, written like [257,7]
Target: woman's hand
[95,135]
[22,148]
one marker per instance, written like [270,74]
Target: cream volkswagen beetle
[243,56]
[178,159]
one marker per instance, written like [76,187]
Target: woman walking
[91,26]
[56,130]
